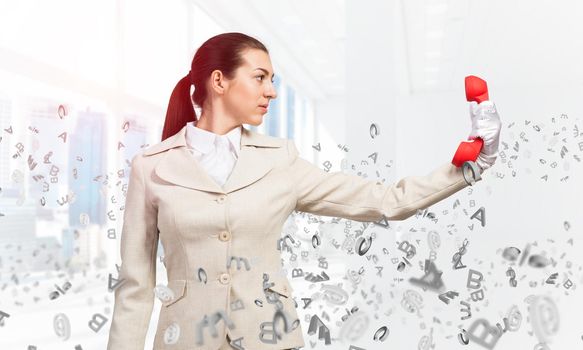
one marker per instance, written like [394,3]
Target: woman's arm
[134,298]
[352,197]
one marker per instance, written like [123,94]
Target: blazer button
[225,236]
[225,278]
[221,199]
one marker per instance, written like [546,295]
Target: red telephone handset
[476,90]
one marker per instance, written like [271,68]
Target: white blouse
[216,153]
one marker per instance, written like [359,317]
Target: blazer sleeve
[134,297]
[353,197]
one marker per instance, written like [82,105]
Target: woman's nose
[271,93]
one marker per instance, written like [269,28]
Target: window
[291,112]
[272,119]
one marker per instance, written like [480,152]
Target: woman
[215,193]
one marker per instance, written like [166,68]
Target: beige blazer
[221,242]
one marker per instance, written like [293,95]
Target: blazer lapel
[179,167]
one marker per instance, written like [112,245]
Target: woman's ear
[218,82]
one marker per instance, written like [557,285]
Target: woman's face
[251,88]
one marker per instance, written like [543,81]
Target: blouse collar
[203,140]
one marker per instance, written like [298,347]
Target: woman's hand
[486,125]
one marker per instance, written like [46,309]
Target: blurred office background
[84,87]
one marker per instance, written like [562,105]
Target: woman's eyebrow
[266,71]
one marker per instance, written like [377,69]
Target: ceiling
[517,45]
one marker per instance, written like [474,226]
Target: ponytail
[180,109]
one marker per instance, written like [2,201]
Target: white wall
[420,130]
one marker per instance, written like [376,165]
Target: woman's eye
[261,76]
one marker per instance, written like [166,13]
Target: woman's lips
[264,108]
